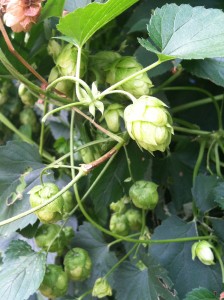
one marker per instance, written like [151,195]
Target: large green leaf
[81,24]
[20,167]
[149,283]
[185,273]
[185,32]
[201,294]
[209,68]
[22,271]
[208,192]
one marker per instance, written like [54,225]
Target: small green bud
[68,203]
[144,194]
[78,264]
[100,62]
[149,123]
[204,253]
[101,288]
[66,61]
[124,67]
[112,115]
[119,206]
[52,212]
[54,49]
[119,224]
[55,282]
[64,86]
[134,217]
[26,96]
[51,238]
[28,117]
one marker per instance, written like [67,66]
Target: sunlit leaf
[201,294]
[22,271]
[185,32]
[84,22]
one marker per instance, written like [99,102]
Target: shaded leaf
[81,24]
[148,283]
[209,68]
[175,174]
[185,32]
[52,8]
[22,271]
[20,168]
[185,273]
[202,192]
[201,294]
[218,225]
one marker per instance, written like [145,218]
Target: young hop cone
[124,67]
[101,288]
[55,282]
[78,264]
[149,123]
[203,250]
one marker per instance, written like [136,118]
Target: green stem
[217,161]
[142,230]
[117,84]
[78,64]
[194,104]
[32,210]
[168,81]
[61,108]
[23,137]
[128,163]
[191,131]
[188,88]
[41,147]
[69,78]
[120,261]
[218,256]
[129,95]
[199,159]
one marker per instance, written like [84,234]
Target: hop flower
[20,14]
[101,288]
[112,115]
[124,67]
[204,253]
[149,123]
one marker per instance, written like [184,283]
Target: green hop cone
[101,288]
[68,203]
[55,282]
[144,194]
[64,86]
[54,49]
[66,61]
[120,205]
[119,224]
[52,212]
[5,87]
[203,250]
[149,123]
[28,117]
[26,96]
[51,238]
[124,67]
[78,264]
[134,217]
[112,115]
[100,62]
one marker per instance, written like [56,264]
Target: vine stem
[199,159]
[42,131]
[17,55]
[117,84]
[32,210]
[189,88]
[191,131]
[218,256]
[193,104]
